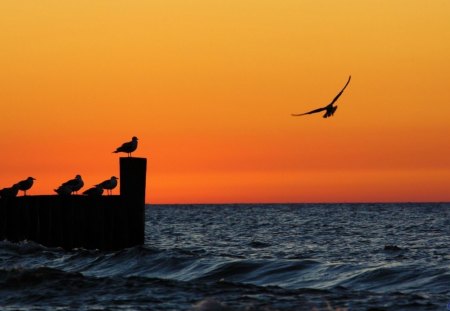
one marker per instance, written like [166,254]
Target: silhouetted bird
[95,191]
[128,147]
[63,190]
[74,184]
[9,192]
[330,109]
[26,184]
[109,184]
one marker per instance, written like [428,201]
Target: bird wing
[125,146]
[330,104]
[310,112]
[103,183]
[22,183]
[70,183]
[340,93]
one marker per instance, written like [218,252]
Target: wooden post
[106,222]
[2,220]
[132,191]
[12,220]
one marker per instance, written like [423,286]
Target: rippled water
[248,257]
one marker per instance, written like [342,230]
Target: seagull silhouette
[64,190]
[26,184]
[108,184]
[330,109]
[128,147]
[9,192]
[95,191]
[73,184]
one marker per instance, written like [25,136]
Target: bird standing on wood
[95,191]
[74,184]
[25,184]
[330,109]
[128,147]
[9,192]
[64,190]
[109,184]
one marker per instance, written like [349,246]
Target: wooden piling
[133,173]
[108,222]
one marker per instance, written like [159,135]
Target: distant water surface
[248,257]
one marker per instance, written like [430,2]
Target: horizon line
[311,203]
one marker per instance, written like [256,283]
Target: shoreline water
[271,257]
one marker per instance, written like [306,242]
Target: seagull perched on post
[109,184]
[330,109]
[9,192]
[26,184]
[74,184]
[95,191]
[128,147]
[64,190]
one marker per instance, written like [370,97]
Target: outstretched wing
[310,112]
[327,106]
[340,93]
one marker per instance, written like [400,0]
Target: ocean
[248,257]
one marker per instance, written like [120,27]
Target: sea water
[248,257]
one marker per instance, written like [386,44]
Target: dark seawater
[248,257]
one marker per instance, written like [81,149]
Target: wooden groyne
[105,222]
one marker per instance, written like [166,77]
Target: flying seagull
[109,184]
[330,109]
[128,147]
[26,184]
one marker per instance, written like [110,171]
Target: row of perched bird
[22,185]
[66,188]
[73,185]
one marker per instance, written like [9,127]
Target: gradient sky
[208,86]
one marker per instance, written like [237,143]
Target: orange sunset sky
[208,87]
